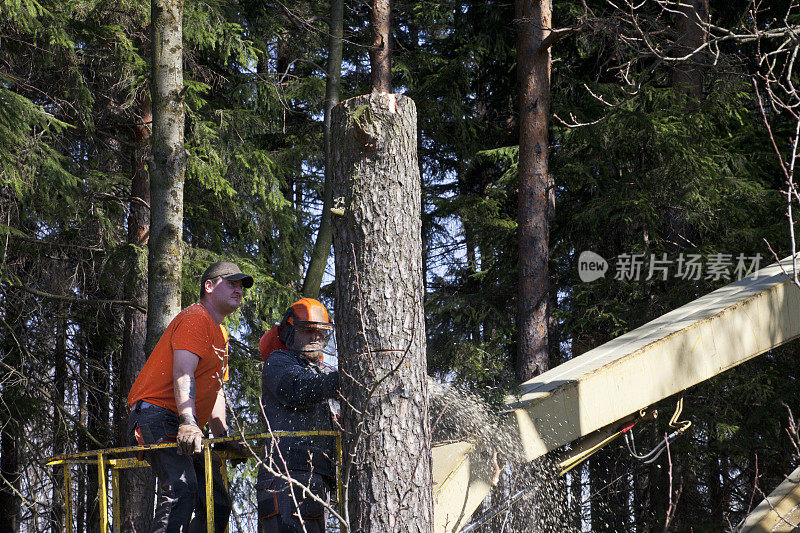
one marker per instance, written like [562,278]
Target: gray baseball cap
[227,270]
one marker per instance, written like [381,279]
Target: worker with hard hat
[295,389]
[180,390]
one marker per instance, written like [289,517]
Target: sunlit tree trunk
[380,56]
[322,246]
[379,313]
[534,19]
[167,170]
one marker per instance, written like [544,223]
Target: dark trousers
[280,512]
[181,478]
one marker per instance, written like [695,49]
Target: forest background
[656,166]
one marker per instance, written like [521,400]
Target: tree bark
[688,77]
[97,404]
[380,316]
[11,417]
[11,473]
[380,57]
[167,171]
[575,511]
[322,246]
[99,328]
[471,283]
[137,485]
[83,444]
[534,18]
[10,470]
[57,522]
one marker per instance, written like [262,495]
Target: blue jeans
[181,478]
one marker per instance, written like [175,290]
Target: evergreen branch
[297,20]
[54,244]
[130,199]
[244,347]
[17,81]
[72,299]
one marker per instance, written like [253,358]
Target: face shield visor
[316,330]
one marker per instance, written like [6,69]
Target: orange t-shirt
[195,331]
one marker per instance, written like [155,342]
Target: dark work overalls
[294,397]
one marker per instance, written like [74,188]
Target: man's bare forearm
[183,384]
[218,421]
[185,394]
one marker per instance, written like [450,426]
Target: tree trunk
[534,18]
[716,501]
[137,484]
[688,76]
[57,516]
[97,403]
[658,493]
[322,246]
[380,57]
[84,443]
[98,327]
[381,320]
[11,472]
[169,164]
[575,511]
[641,514]
[472,285]
[10,416]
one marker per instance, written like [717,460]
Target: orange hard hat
[305,312]
[308,312]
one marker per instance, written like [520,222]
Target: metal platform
[777,513]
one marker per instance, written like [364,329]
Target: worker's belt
[141,404]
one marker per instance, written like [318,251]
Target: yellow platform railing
[103,459]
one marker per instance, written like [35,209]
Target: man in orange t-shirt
[179,391]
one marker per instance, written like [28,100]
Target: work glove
[190,439]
